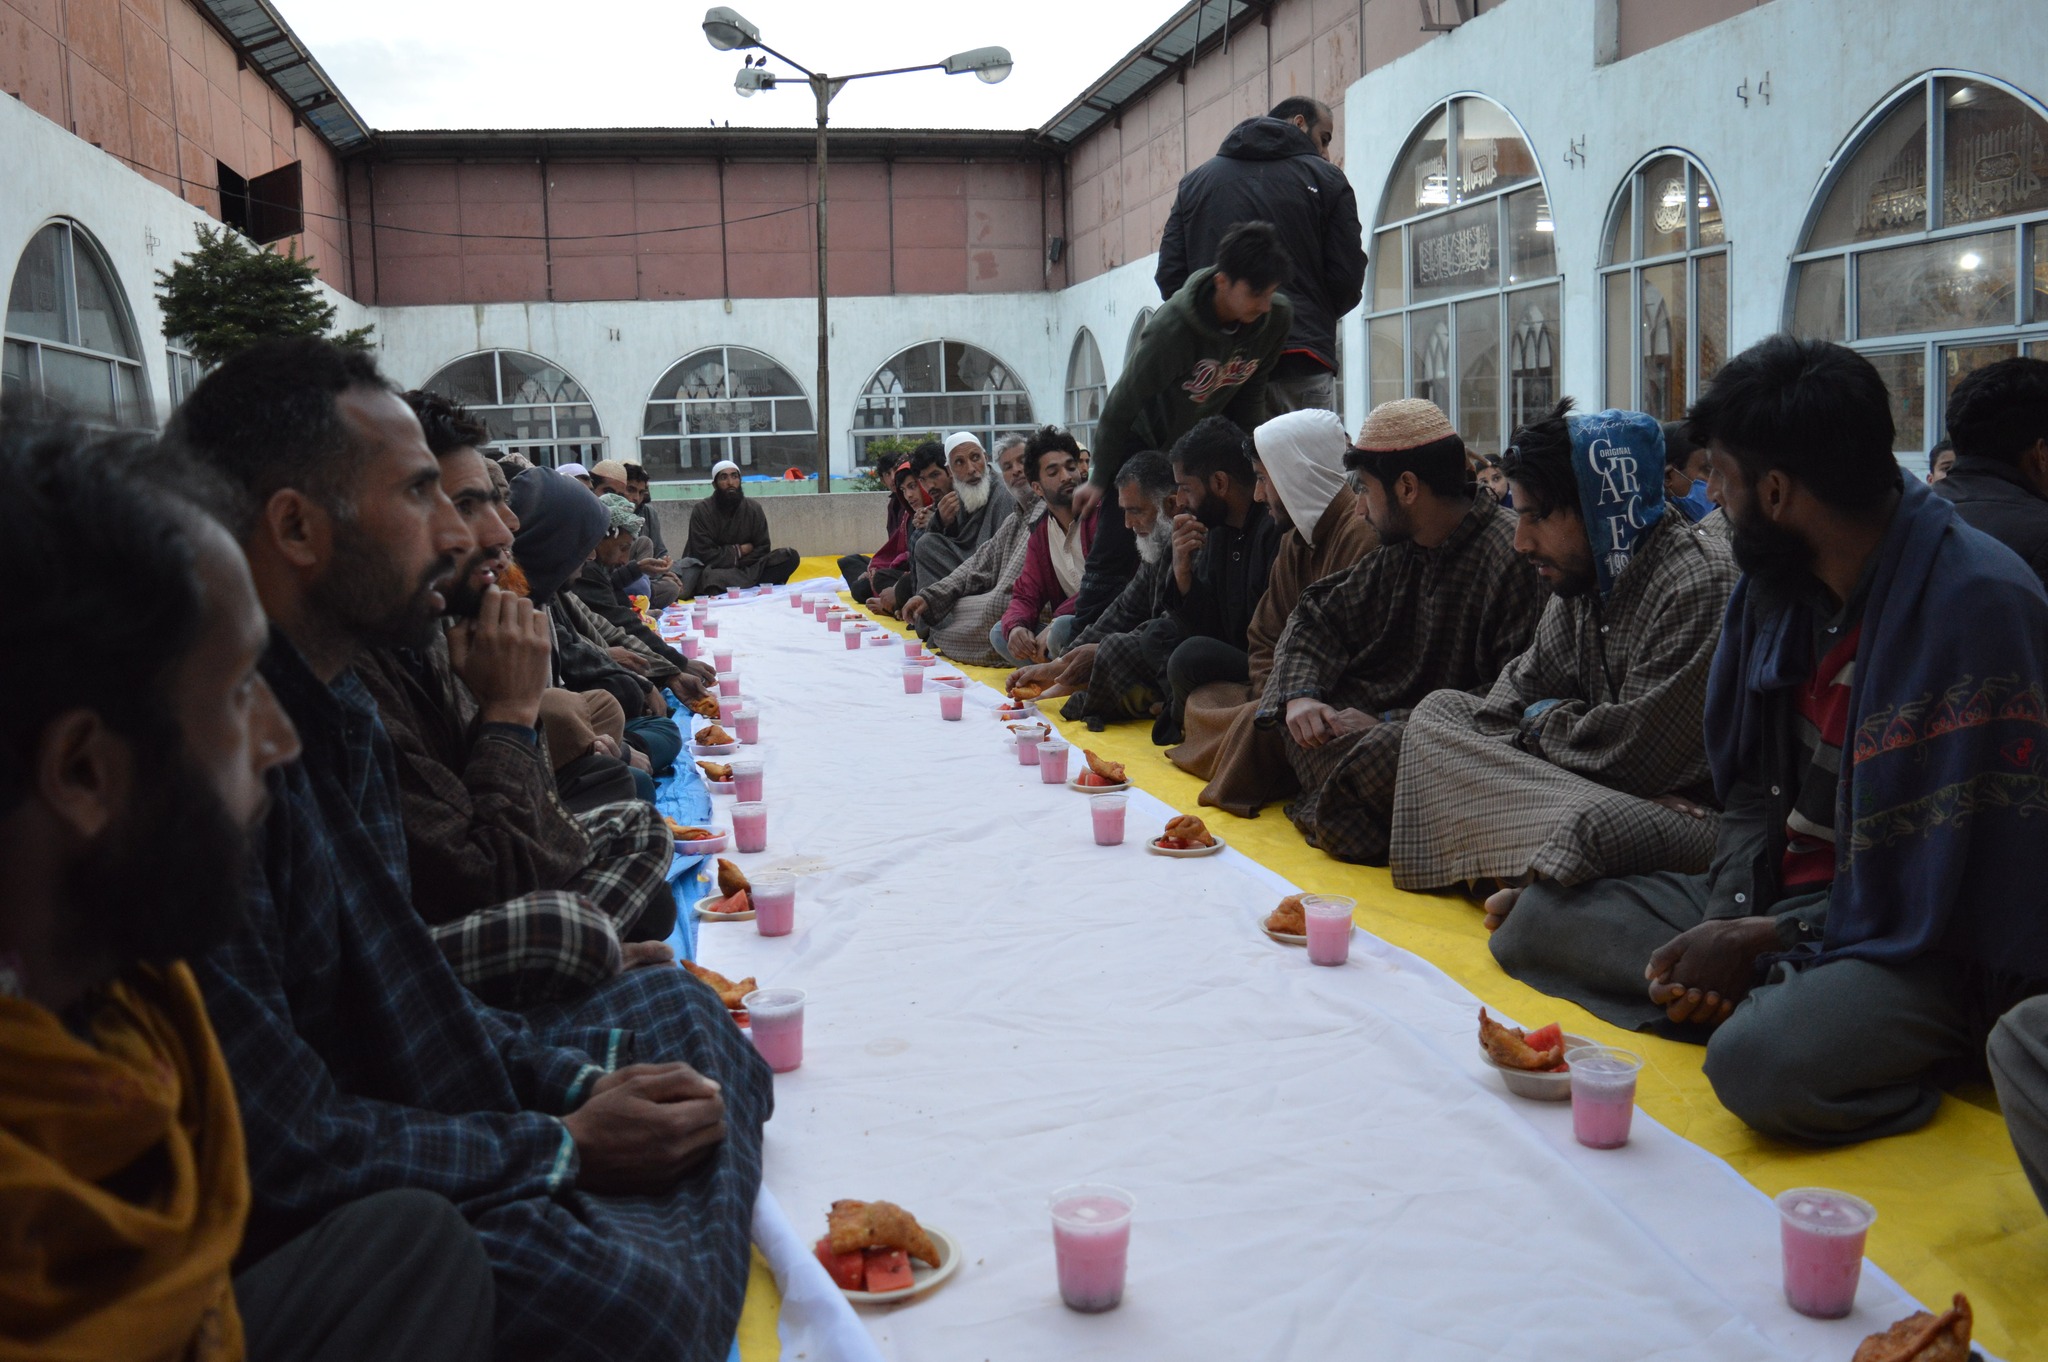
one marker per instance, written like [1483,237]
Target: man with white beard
[1115,669]
[955,614]
[970,505]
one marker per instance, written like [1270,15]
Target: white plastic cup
[913,646]
[721,659]
[750,825]
[913,680]
[709,626]
[747,780]
[1821,1232]
[951,699]
[728,679]
[1603,1094]
[1107,812]
[1052,761]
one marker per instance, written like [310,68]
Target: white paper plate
[922,1278]
[1538,1087]
[705,847]
[925,660]
[720,786]
[1283,938]
[714,749]
[1075,784]
[704,910]
[1157,850]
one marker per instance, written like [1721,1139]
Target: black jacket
[1268,171]
[1990,496]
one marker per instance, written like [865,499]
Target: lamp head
[726,30]
[750,79]
[991,64]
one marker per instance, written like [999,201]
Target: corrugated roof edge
[262,38]
[1212,22]
[798,143]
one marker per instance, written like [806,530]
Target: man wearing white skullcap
[728,544]
[971,504]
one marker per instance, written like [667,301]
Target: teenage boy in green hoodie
[1208,351]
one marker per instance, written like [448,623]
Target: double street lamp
[728,32]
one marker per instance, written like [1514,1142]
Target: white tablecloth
[1323,1165]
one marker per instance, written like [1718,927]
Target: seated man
[873,578]
[1299,461]
[1998,418]
[728,544]
[1848,965]
[2018,1054]
[1224,540]
[1040,616]
[1115,668]
[596,584]
[648,557]
[1443,604]
[132,771]
[956,613]
[613,1202]
[1685,472]
[1585,758]
[967,506]
[529,902]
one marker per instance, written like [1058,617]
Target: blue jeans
[1057,638]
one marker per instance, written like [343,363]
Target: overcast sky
[634,63]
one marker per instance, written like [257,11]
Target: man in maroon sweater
[1054,559]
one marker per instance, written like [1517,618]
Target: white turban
[1303,452]
[722,465]
[572,470]
[962,437]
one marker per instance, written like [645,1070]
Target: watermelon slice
[739,901]
[888,1270]
[847,1270]
[1543,1037]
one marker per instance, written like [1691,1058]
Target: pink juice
[1052,762]
[913,680]
[721,659]
[687,645]
[1107,811]
[774,898]
[749,824]
[1822,1234]
[749,724]
[729,707]
[1091,1240]
[1027,745]
[913,647]
[746,785]
[710,627]
[835,622]
[950,701]
[1603,1095]
[852,637]
[1328,925]
[795,600]
[728,679]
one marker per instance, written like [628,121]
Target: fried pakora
[731,992]
[1111,771]
[1922,1337]
[705,706]
[854,1225]
[1288,919]
[1189,831]
[715,770]
[1508,1046]
[688,832]
[1026,690]
[731,879]
[714,736]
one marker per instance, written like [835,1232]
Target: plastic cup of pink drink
[913,680]
[1822,1234]
[749,823]
[747,780]
[951,698]
[747,725]
[1052,761]
[795,600]
[775,1019]
[1328,922]
[774,898]
[913,647]
[1091,1242]
[1029,736]
[1107,811]
[721,659]
[835,621]
[729,707]
[852,637]
[709,626]
[1603,1094]
[688,645]
[728,679]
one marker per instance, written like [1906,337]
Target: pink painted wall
[1643,24]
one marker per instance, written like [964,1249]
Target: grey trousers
[2018,1053]
[1302,392]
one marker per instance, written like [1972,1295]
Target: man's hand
[605,745]
[1086,498]
[637,759]
[1682,805]
[1076,666]
[654,567]
[914,607]
[656,706]
[1024,644]
[1189,534]
[1312,723]
[922,516]
[949,507]
[886,601]
[629,659]
[643,1126]
[1042,673]
[1701,974]
[640,954]
[743,550]
[686,687]
[503,657]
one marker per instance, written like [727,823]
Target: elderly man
[1878,753]
[607,1153]
[728,544]
[1585,759]
[956,613]
[969,504]
[529,902]
[1114,668]
[123,837]
[1299,463]
[1443,603]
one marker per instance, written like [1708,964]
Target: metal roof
[797,144]
[263,40]
[1198,27]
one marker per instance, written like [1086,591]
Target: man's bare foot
[638,954]
[1499,904]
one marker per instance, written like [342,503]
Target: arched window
[1664,280]
[1957,165]
[1086,388]
[70,337]
[1137,329]
[727,403]
[1464,289]
[941,386]
[530,405]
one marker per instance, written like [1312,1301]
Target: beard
[1396,528]
[1024,492]
[1211,511]
[1569,583]
[365,595]
[973,495]
[1155,544]
[727,499]
[166,882]
[1778,559]
[464,594]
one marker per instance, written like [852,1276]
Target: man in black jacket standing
[1998,418]
[1276,169]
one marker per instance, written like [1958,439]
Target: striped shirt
[1821,709]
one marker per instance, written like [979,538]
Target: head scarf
[572,470]
[1618,460]
[1303,452]
[959,438]
[559,524]
[625,517]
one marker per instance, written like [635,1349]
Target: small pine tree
[229,294]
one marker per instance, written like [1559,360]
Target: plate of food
[1185,835]
[1099,776]
[717,776]
[1013,711]
[704,707]
[726,907]
[692,840]
[1286,924]
[1531,1063]
[1025,691]
[877,1254]
[729,991]
[713,741]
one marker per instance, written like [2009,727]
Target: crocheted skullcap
[1403,424]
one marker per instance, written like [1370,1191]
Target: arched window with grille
[1664,282]
[531,405]
[70,337]
[1927,246]
[1464,272]
[726,402]
[939,386]
[1087,389]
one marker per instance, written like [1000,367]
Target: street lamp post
[727,31]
